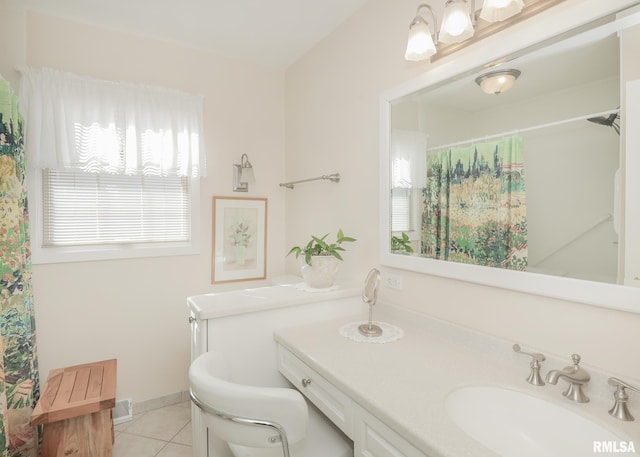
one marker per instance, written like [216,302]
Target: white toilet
[260,421]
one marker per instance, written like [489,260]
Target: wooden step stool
[75,409]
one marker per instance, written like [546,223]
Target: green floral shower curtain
[19,380]
[474,207]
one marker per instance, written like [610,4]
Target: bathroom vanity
[403,397]
[392,398]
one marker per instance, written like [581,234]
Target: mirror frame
[561,21]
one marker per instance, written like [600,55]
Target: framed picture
[239,239]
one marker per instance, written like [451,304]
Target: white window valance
[80,123]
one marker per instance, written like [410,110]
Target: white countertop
[221,304]
[404,383]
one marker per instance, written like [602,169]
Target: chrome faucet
[534,376]
[575,376]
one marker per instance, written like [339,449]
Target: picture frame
[239,239]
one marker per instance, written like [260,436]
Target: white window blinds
[90,208]
[400,209]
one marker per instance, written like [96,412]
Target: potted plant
[321,259]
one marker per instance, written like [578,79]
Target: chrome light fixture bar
[462,25]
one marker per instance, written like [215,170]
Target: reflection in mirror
[527,179]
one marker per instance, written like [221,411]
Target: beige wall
[332,97]
[12,38]
[135,310]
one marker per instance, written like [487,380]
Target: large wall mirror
[531,188]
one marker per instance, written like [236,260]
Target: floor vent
[123,411]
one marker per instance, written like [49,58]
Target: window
[114,168]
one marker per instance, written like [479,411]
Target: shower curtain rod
[528,129]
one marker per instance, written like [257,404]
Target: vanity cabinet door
[331,401]
[374,439]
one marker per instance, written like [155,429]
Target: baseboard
[125,409]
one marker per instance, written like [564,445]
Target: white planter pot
[322,271]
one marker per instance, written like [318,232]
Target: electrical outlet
[393,281]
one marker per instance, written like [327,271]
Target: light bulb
[420,45]
[456,23]
[499,10]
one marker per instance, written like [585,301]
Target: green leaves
[401,243]
[319,246]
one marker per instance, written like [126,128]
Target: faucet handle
[537,357]
[534,377]
[619,409]
[615,382]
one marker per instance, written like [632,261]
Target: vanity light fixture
[461,22]
[498,81]
[242,174]
[457,22]
[421,45]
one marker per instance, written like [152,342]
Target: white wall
[135,310]
[332,107]
[332,126]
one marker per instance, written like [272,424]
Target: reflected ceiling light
[499,10]
[420,45]
[457,23]
[496,82]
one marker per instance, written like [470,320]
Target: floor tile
[184,436]
[136,446]
[162,432]
[175,450]
[161,424]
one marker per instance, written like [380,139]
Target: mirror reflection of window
[408,178]
[401,195]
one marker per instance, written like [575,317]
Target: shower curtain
[19,380]
[474,207]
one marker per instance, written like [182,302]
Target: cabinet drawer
[374,439]
[333,403]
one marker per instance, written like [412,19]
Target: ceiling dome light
[496,82]
[456,22]
[499,10]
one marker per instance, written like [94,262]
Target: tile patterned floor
[162,432]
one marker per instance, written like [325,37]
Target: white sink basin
[515,424]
